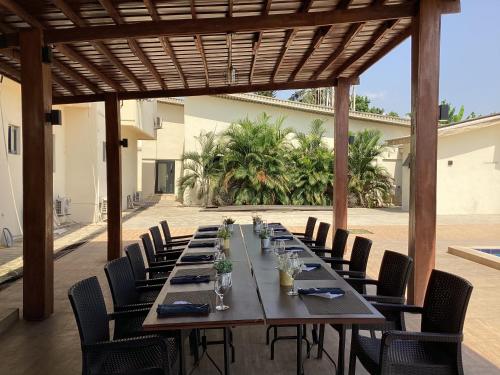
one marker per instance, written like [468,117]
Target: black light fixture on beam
[444,112]
[351,139]
[54,117]
[124,143]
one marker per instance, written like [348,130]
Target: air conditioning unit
[62,206]
[104,206]
[157,123]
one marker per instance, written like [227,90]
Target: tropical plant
[312,172]
[270,94]
[229,221]
[255,170]
[370,185]
[223,266]
[362,104]
[203,168]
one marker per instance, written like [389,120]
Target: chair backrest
[394,273]
[121,282]
[166,230]
[339,243]
[148,248]
[136,260]
[445,304]
[311,223]
[360,253]
[157,240]
[89,308]
[322,234]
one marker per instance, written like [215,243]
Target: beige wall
[471,184]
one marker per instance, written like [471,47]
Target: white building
[79,157]
[468,167]
[183,120]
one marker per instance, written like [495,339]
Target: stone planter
[226,246]
[285,279]
[230,227]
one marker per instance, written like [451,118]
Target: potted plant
[229,223]
[223,267]
[225,234]
[265,239]
[283,260]
[257,224]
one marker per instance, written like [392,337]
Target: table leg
[182,355]
[299,349]
[227,359]
[321,339]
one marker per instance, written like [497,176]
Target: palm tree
[201,169]
[255,170]
[370,185]
[313,167]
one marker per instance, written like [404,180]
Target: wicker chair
[436,350]
[321,236]
[357,267]
[339,243]
[145,355]
[173,241]
[126,295]
[154,260]
[157,275]
[169,252]
[309,232]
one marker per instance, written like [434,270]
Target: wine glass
[293,269]
[223,283]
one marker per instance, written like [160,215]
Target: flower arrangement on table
[224,234]
[265,238]
[229,223]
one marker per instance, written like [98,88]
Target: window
[14,133]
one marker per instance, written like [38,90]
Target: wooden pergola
[73,51]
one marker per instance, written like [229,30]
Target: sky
[470,64]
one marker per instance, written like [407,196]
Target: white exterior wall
[471,184]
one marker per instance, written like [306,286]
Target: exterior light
[124,143]
[444,112]
[231,73]
[54,117]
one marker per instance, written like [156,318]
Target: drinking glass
[223,283]
[293,269]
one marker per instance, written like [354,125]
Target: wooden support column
[341,147]
[425,101]
[38,236]
[113,176]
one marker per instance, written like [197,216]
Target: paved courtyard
[52,346]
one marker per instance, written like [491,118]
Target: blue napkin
[197,258]
[328,293]
[171,310]
[196,244]
[190,279]
[280,229]
[283,237]
[294,248]
[200,236]
[312,265]
[209,229]
[274,224]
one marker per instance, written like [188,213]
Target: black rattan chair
[309,232]
[145,355]
[169,252]
[320,241]
[157,275]
[339,243]
[173,240]
[126,295]
[154,260]
[436,350]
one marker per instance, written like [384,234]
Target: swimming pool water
[495,252]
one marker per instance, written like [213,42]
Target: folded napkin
[280,229]
[196,244]
[329,293]
[200,236]
[274,224]
[190,279]
[282,237]
[294,249]
[197,258]
[214,228]
[181,309]
[311,266]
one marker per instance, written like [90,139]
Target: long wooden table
[257,298]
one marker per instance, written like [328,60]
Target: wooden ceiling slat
[199,44]
[257,43]
[99,46]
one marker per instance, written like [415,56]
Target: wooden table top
[256,296]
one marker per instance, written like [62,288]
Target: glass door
[165,177]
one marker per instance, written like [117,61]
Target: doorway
[165,177]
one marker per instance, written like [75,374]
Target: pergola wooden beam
[289,38]
[202,26]
[99,46]
[59,65]
[169,51]
[126,95]
[18,10]
[258,41]
[133,44]
[199,44]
